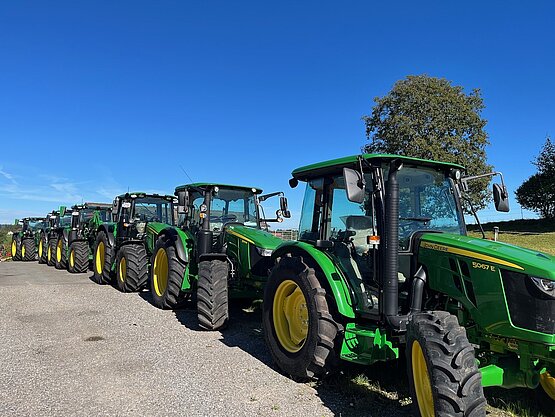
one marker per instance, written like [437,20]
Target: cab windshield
[152,209]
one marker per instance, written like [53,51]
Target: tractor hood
[257,237]
[490,252]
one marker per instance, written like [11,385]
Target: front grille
[528,306]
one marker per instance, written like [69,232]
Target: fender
[179,240]
[334,277]
[213,256]
[108,229]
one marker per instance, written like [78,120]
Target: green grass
[543,242]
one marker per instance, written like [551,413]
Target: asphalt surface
[71,347]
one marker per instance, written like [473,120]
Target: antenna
[182,169]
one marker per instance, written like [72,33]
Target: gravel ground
[71,347]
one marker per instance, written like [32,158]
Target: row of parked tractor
[383,265]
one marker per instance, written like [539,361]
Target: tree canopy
[537,193]
[428,117]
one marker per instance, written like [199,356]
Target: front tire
[51,254]
[166,276]
[78,261]
[298,326]
[546,394]
[43,249]
[102,259]
[16,249]
[61,253]
[212,294]
[131,268]
[28,250]
[443,375]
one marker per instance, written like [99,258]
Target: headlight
[546,286]
[263,251]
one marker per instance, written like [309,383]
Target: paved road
[71,347]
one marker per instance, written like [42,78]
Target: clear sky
[98,97]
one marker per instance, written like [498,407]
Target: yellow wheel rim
[160,272]
[422,384]
[22,250]
[14,248]
[40,248]
[49,253]
[99,258]
[59,251]
[290,316]
[122,269]
[548,384]
[72,258]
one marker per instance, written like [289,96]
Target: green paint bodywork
[508,356]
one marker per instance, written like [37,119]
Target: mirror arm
[267,196]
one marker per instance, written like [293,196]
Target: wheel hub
[422,384]
[160,272]
[290,316]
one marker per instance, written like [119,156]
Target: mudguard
[334,277]
[108,229]
[179,240]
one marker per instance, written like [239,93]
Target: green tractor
[383,265]
[75,240]
[24,246]
[56,254]
[41,237]
[220,249]
[123,246]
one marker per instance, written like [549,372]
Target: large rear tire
[298,326]
[212,294]
[131,268]
[16,248]
[166,276]
[443,375]
[61,253]
[43,249]
[78,261]
[51,254]
[102,259]
[28,250]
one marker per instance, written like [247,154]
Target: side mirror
[182,202]
[283,207]
[501,198]
[293,182]
[354,185]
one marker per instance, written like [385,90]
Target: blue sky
[100,96]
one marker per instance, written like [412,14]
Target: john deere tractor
[41,237]
[384,265]
[123,247]
[219,250]
[24,242]
[75,240]
[57,245]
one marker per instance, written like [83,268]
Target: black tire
[51,255]
[131,268]
[166,276]
[78,261]
[102,259]
[28,250]
[16,244]
[440,359]
[212,294]
[43,249]
[317,355]
[61,253]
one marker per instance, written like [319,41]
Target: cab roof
[336,165]
[214,184]
[90,205]
[140,194]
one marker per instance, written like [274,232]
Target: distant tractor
[220,249]
[55,254]
[23,242]
[41,237]
[75,241]
[383,264]
[123,246]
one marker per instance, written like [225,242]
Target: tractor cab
[31,224]
[134,211]
[212,211]
[90,215]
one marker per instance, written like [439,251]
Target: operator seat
[362,228]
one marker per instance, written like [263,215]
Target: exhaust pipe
[391,280]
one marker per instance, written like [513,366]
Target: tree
[428,117]
[537,193]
